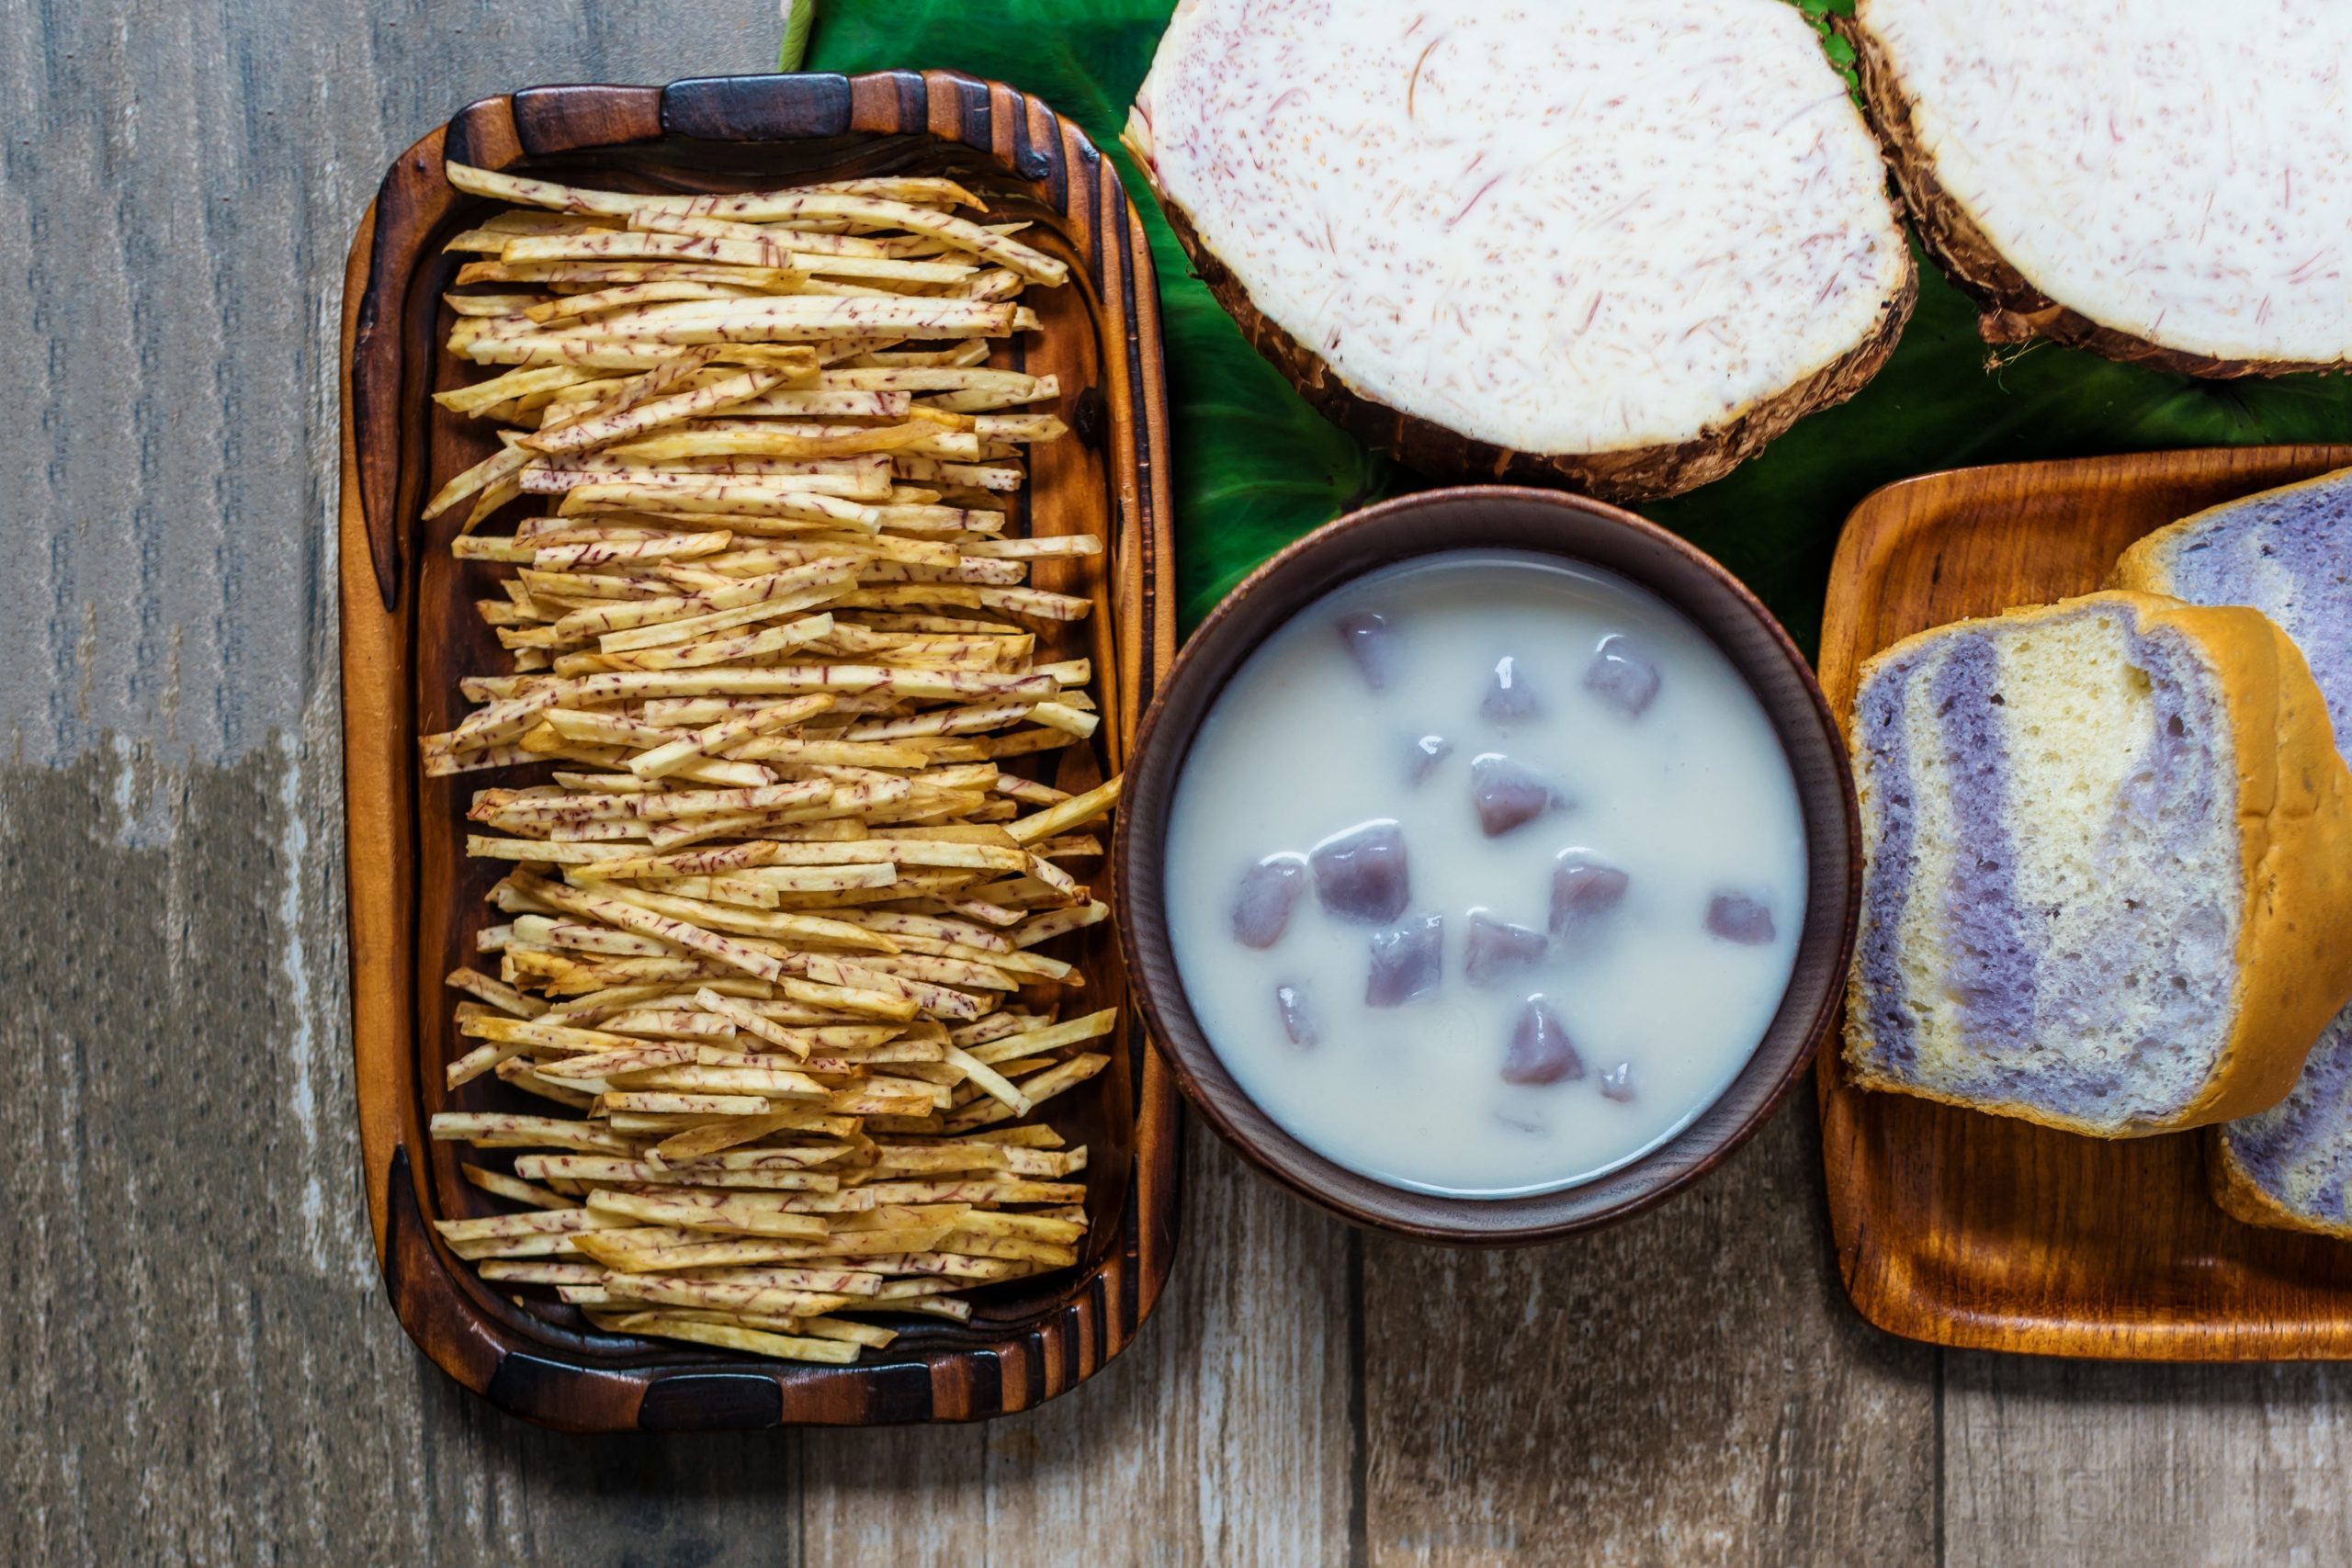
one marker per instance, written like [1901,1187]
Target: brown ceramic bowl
[1573,528]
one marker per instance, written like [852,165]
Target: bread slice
[2159,183]
[1621,243]
[2288,553]
[2102,841]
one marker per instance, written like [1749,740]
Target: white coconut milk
[1587,801]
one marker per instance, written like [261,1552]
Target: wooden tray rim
[1864,543]
[555,1379]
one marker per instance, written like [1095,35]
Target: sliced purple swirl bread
[2100,838]
[2289,554]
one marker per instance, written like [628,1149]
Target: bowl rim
[1216,650]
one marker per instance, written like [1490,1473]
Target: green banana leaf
[1256,468]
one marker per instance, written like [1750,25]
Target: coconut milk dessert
[1485,874]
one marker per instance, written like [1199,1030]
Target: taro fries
[772,941]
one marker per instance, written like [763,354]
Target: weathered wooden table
[198,1364]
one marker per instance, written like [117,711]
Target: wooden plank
[1686,1387]
[2087,1461]
[1224,1435]
[190,1326]
[201,1364]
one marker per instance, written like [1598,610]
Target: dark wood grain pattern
[1586,533]
[1988,1232]
[415,898]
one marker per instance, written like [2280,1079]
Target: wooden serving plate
[1995,1233]
[409,631]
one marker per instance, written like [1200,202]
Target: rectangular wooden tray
[409,631]
[1993,1234]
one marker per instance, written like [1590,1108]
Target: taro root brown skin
[1636,473]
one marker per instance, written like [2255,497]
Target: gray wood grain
[2226,1467]
[1224,1435]
[1687,1387]
[201,1367]
[198,1365]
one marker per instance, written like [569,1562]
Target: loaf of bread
[2288,553]
[2103,842]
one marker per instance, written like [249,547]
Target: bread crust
[2295,810]
[2011,310]
[1633,473]
[2294,813]
[2146,565]
[2242,1199]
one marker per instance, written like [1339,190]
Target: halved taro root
[1631,167]
[2185,231]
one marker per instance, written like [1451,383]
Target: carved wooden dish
[1986,1231]
[409,631]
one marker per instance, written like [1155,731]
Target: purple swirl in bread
[2288,553]
[2092,831]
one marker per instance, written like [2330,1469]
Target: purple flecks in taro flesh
[1361,874]
[1262,905]
[1496,949]
[1428,753]
[1540,1049]
[1735,917]
[1585,891]
[1509,698]
[1622,676]
[1617,1083]
[1297,1021]
[1372,644]
[1407,962]
[1509,794]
